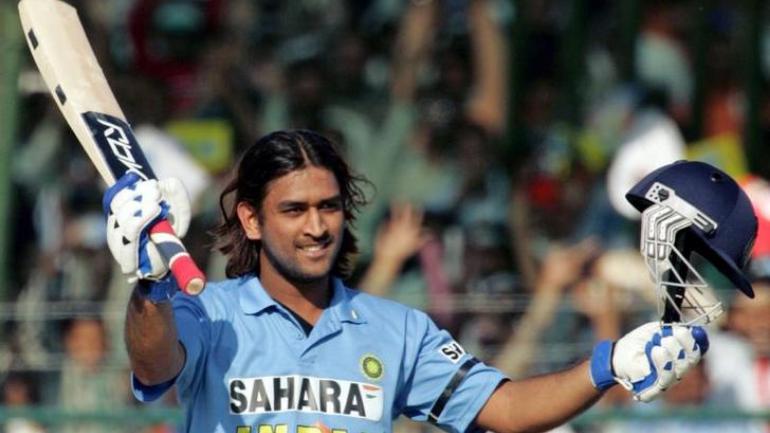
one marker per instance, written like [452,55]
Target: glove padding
[132,205]
[649,359]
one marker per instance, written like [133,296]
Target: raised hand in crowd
[398,238]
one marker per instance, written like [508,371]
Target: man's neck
[306,300]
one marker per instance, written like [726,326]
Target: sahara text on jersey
[269,394]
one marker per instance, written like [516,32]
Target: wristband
[601,374]
[158,291]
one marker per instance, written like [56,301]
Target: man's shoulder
[223,289]
[362,298]
[217,298]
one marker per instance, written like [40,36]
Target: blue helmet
[724,225]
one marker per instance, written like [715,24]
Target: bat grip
[191,279]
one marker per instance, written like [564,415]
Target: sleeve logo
[452,351]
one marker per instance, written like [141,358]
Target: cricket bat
[69,67]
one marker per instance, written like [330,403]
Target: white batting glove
[132,205]
[649,359]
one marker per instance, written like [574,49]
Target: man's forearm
[539,403]
[151,340]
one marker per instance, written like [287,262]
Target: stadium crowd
[499,138]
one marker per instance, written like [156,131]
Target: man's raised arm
[131,206]
[646,361]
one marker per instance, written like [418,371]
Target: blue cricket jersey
[250,367]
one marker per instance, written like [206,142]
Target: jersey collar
[341,306]
[253,297]
[254,300]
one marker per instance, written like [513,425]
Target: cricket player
[283,346]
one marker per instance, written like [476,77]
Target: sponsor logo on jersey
[372,367]
[452,351]
[270,394]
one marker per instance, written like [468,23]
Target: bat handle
[191,279]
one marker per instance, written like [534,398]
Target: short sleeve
[447,386]
[193,327]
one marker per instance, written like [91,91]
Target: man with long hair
[283,345]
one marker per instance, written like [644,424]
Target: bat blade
[69,67]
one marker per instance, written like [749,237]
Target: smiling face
[300,226]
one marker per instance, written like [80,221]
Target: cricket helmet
[691,206]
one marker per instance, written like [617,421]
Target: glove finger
[663,365]
[145,190]
[121,248]
[142,192]
[134,217]
[689,345]
[680,359]
[700,336]
[175,195]
[114,235]
[127,181]
[120,199]
[630,355]
[127,258]
[148,190]
[684,336]
[648,394]
[661,374]
[660,377]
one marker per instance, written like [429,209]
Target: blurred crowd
[499,138]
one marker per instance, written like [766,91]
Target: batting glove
[132,205]
[649,359]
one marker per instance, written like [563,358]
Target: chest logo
[372,367]
[295,393]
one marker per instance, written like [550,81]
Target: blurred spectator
[166,36]
[488,298]
[20,390]
[662,61]
[399,237]
[562,267]
[739,362]
[87,382]
[351,84]
[650,140]
[68,233]
[724,104]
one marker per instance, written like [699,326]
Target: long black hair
[270,158]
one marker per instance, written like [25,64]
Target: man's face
[300,226]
